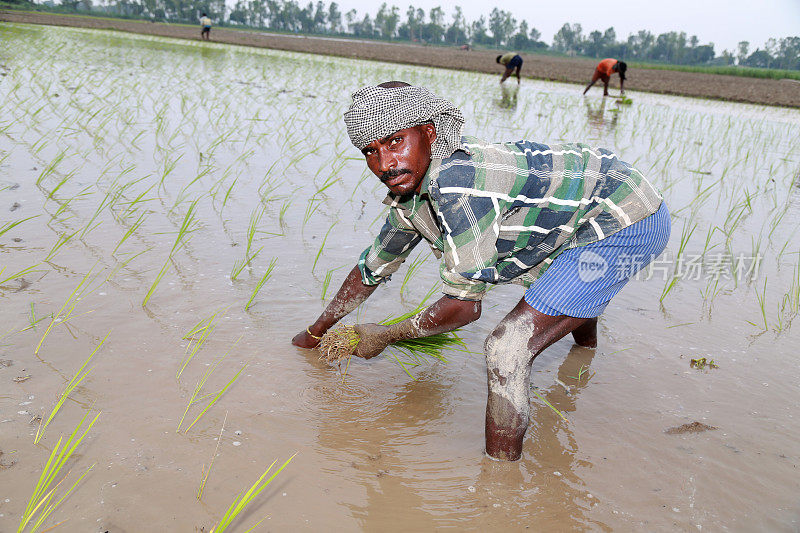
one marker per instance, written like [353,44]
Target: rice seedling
[315,201]
[51,167]
[68,307]
[129,232]
[282,214]
[790,303]
[169,167]
[261,282]
[205,473]
[243,500]
[321,247]
[762,298]
[205,328]
[74,382]
[216,397]
[548,404]
[184,233]
[65,203]
[311,207]
[583,371]
[228,193]
[133,205]
[252,229]
[63,238]
[412,269]
[41,501]
[341,342]
[88,226]
[15,275]
[686,234]
[61,183]
[10,225]
[327,281]
[200,384]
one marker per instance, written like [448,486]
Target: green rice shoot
[340,343]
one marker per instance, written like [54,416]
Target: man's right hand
[305,340]
[350,295]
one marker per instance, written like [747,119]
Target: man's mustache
[393,173]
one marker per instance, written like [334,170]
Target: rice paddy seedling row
[196,193]
[41,504]
[74,382]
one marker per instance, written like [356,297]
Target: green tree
[320,17]
[788,53]
[478,32]
[520,39]
[568,39]
[351,18]
[759,59]
[386,21]
[334,18]
[742,51]
[433,31]
[593,46]
[410,30]
[502,25]
[457,31]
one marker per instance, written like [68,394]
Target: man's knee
[507,352]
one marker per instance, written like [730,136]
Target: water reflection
[598,119]
[547,485]
[416,460]
[386,437]
[508,95]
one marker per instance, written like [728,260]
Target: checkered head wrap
[377,112]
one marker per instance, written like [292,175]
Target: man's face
[400,160]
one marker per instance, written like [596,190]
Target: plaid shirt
[501,213]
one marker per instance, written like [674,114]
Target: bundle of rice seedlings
[340,343]
[337,344]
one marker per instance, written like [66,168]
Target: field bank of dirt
[571,70]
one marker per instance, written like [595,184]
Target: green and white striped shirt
[501,213]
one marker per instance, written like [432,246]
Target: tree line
[499,29]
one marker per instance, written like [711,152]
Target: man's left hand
[373,339]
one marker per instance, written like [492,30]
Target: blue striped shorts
[581,281]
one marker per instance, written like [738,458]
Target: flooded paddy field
[172,213]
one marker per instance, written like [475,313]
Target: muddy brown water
[101,120]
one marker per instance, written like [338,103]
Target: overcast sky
[723,22]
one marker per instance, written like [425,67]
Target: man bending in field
[512,61]
[205,25]
[604,70]
[570,223]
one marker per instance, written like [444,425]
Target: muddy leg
[510,349]
[586,334]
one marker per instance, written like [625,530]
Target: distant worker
[205,22]
[604,70]
[511,61]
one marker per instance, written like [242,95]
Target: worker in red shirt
[604,70]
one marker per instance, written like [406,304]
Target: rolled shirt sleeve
[394,242]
